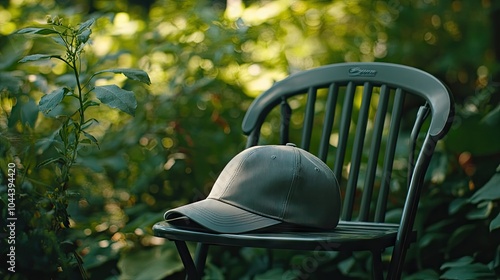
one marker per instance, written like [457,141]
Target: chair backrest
[349,115]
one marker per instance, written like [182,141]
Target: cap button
[291,144]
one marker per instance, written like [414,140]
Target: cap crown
[281,182]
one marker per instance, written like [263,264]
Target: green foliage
[466,268]
[92,181]
[44,205]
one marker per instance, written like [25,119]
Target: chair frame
[370,232]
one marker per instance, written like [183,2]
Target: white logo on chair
[357,71]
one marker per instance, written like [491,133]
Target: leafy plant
[73,131]
[69,104]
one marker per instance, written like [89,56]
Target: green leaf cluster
[64,143]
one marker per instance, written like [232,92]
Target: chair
[356,130]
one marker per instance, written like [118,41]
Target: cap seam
[295,171]
[234,175]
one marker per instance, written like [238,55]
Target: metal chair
[355,130]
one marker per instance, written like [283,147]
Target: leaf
[25,111]
[463,270]
[346,266]
[490,191]
[58,40]
[88,123]
[493,117]
[13,48]
[91,138]
[50,101]
[134,74]
[118,98]
[482,211]
[36,30]
[460,234]
[161,261]
[213,272]
[86,24]
[84,36]
[90,103]
[424,274]
[275,273]
[460,262]
[35,57]
[50,160]
[456,205]
[495,223]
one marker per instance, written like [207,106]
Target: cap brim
[221,217]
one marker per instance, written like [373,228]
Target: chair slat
[421,116]
[357,150]
[344,132]
[286,113]
[389,155]
[309,118]
[374,153]
[253,138]
[333,93]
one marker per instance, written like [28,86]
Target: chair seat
[357,236]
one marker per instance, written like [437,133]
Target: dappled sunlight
[334,139]
[102,45]
[259,13]
[234,9]
[107,119]
[6,25]
[123,25]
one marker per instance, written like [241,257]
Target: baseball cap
[265,188]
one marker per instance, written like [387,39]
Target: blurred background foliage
[207,60]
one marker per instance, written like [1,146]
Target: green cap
[268,187]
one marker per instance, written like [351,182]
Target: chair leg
[201,257]
[377,270]
[397,259]
[396,266]
[191,271]
[270,260]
